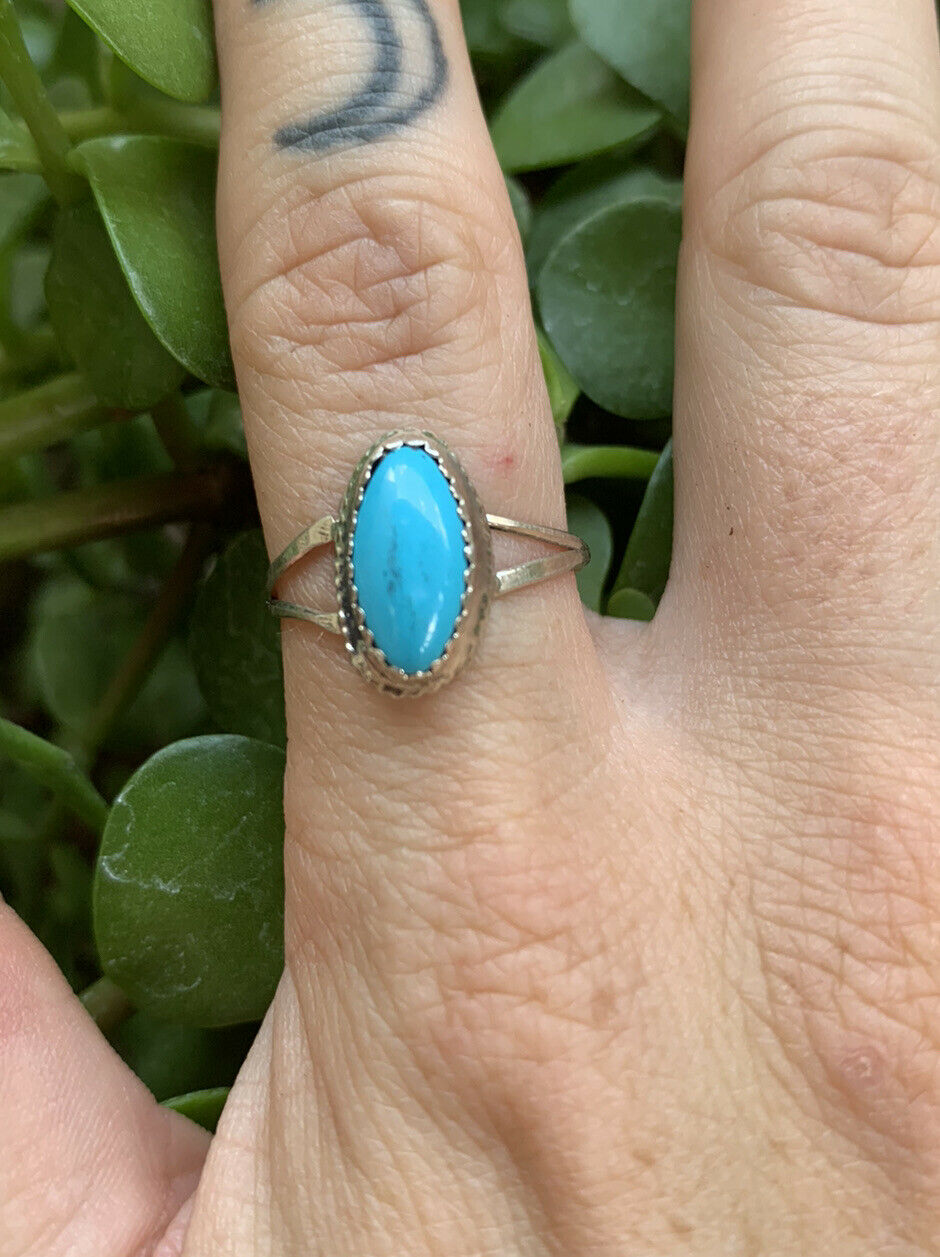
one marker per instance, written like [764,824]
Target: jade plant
[142,732]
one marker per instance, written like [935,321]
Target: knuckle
[373,278]
[840,220]
[845,935]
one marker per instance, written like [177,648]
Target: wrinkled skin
[629,940]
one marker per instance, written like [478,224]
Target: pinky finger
[90,1165]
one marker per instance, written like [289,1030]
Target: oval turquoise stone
[408,559]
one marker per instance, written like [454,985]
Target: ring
[414,568]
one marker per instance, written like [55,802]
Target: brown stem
[71,519]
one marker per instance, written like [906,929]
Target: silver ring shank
[573,555]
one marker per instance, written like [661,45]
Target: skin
[625,942]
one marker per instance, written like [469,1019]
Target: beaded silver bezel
[479,585]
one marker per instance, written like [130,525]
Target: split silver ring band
[413,567]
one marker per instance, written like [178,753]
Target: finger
[809,350]
[374,280]
[90,1165]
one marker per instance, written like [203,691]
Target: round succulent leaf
[542,22]
[521,205]
[587,521]
[28,267]
[17,150]
[562,388]
[38,25]
[486,36]
[78,638]
[646,41]
[570,106]
[630,604]
[588,187]
[217,417]
[76,55]
[117,451]
[69,93]
[189,886]
[202,1107]
[120,450]
[96,318]
[167,42]
[235,644]
[157,199]
[646,561]
[607,297]
[171,1060]
[22,197]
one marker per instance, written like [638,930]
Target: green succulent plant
[142,739]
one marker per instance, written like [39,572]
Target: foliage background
[142,730]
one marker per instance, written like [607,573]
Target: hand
[627,941]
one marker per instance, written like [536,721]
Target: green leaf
[606,462]
[76,54]
[647,41]
[571,105]
[646,561]
[21,199]
[167,42]
[70,94]
[17,150]
[521,205]
[485,34]
[235,644]
[589,187]
[588,521]
[77,641]
[630,604]
[189,888]
[157,199]
[28,268]
[122,451]
[202,1107]
[607,298]
[543,22]
[64,927]
[171,1060]
[97,320]
[37,23]
[562,388]
[119,451]
[217,417]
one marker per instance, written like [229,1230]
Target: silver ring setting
[365,629]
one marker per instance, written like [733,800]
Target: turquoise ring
[414,569]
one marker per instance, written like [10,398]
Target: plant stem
[196,124]
[199,124]
[163,618]
[106,1004]
[26,87]
[51,412]
[71,519]
[84,124]
[609,462]
[175,429]
[55,768]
